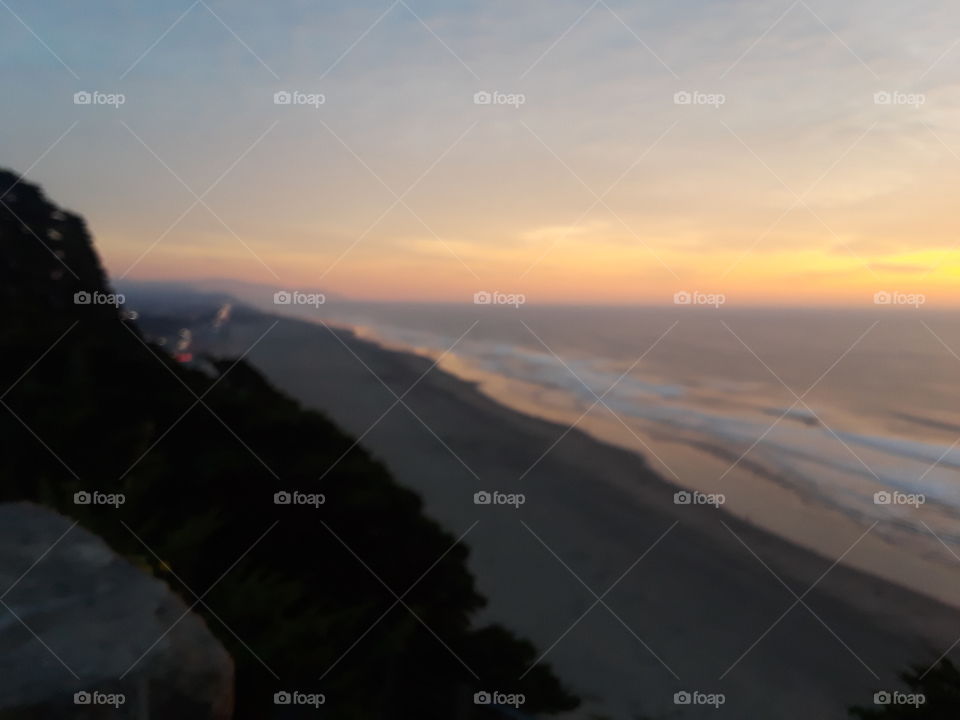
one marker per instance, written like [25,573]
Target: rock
[87,619]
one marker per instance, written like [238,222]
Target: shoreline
[683,614]
[752,494]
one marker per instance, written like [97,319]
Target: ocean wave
[832,464]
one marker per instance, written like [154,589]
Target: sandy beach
[630,596]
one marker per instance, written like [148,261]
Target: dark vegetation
[93,406]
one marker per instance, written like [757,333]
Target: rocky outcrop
[85,634]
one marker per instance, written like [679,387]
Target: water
[867,401]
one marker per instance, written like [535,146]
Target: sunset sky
[803,187]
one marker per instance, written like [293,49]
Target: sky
[799,152]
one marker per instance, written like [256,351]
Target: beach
[630,596]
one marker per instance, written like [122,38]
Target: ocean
[851,410]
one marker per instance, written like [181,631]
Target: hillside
[295,592]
